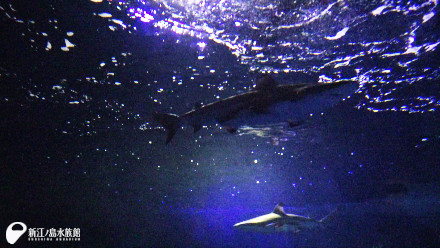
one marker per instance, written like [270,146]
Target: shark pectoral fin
[170,122]
[170,135]
[276,225]
[197,128]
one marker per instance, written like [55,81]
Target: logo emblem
[14,232]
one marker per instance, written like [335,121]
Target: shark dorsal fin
[265,84]
[279,209]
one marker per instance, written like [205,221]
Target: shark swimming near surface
[280,221]
[264,102]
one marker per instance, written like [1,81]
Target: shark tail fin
[327,216]
[170,122]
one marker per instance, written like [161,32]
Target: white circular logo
[13,234]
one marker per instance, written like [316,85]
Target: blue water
[79,81]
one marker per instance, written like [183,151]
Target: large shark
[252,107]
[279,221]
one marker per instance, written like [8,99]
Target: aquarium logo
[17,229]
[13,234]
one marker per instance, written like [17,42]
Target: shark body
[280,221]
[247,107]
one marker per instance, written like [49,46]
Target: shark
[256,106]
[280,221]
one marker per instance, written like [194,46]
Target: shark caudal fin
[170,122]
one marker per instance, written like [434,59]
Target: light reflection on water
[335,39]
[306,40]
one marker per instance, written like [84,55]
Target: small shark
[246,107]
[279,221]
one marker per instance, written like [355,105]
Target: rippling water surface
[80,80]
[315,40]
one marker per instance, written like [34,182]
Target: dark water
[79,81]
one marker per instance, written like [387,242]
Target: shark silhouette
[279,221]
[246,106]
